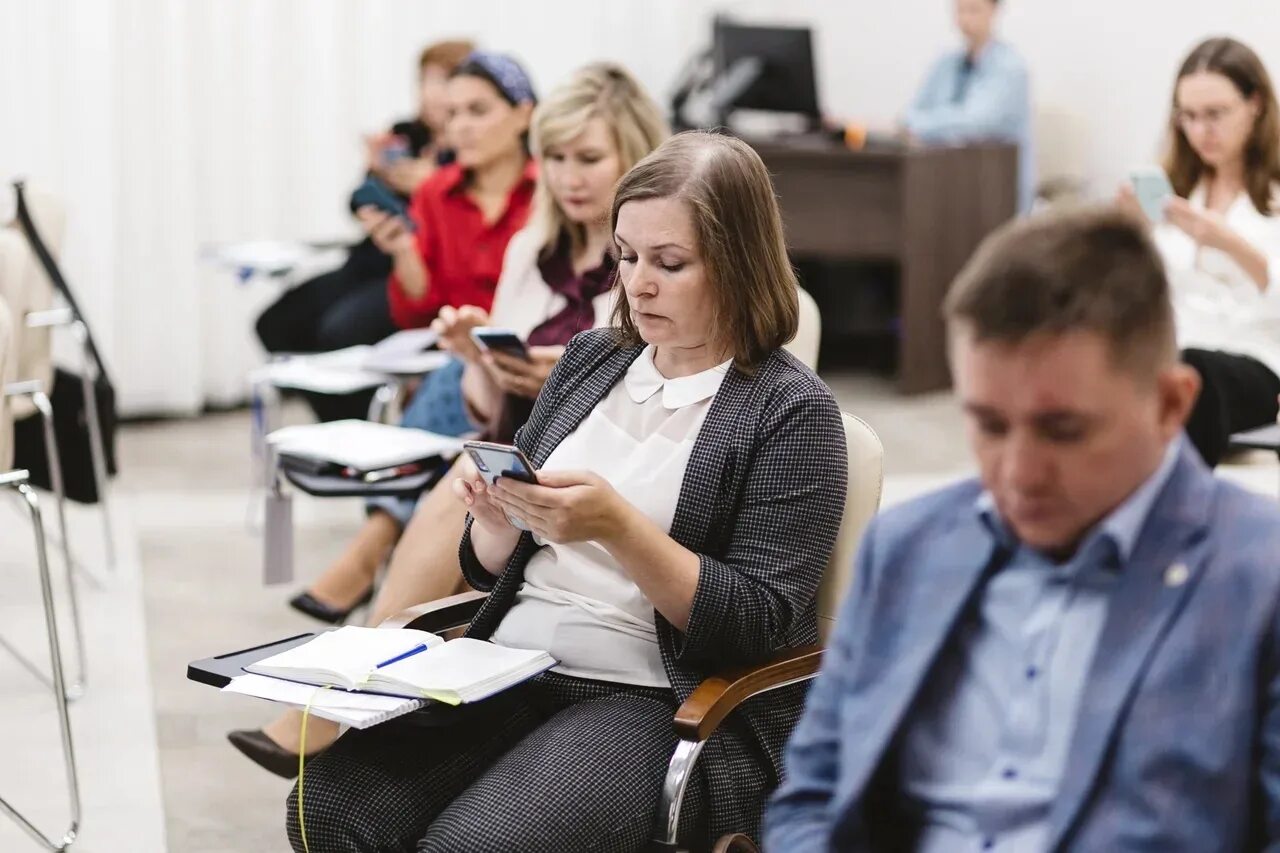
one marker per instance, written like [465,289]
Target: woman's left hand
[564,506]
[1205,227]
[520,376]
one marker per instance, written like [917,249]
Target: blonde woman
[556,281]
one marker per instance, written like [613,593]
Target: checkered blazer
[761,504]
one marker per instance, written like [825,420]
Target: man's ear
[1178,387]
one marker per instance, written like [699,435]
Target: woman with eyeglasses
[1220,238]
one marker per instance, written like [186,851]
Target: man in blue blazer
[1081,649]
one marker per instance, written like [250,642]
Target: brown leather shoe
[266,753]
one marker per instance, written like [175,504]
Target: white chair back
[866,479]
[6,376]
[26,288]
[804,345]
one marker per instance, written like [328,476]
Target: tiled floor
[189,585]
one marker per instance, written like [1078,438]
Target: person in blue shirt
[978,93]
[1079,650]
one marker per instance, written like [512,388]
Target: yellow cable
[302,763]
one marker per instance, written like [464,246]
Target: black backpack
[70,410]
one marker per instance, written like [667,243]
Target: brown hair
[1089,269]
[727,191]
[446,55]
[1239,64]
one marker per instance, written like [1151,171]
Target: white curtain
[168,125]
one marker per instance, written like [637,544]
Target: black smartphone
[374,193]
[500,340]
[501,460]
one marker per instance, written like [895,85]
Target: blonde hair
[601,90]
[727,190]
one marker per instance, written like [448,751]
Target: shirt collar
[456,179]
[980,57]
[1121,526]
[643,380]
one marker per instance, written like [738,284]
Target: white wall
[1101,69]
[168,124]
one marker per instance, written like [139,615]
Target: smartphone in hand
[1151,186]
[500,460]
[374,193]
[500,340]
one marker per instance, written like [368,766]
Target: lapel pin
[1176,575]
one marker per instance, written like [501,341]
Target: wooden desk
[925,209]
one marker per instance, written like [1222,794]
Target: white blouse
[1217,305]
[523,300]
[577,602]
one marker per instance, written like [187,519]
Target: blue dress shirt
[985,747]
[986,99]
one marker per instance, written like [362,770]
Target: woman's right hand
[471,489]
[389,233]
[454,326]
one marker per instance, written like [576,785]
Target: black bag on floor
[70,409]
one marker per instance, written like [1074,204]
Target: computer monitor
[774,68]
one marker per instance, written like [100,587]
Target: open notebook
[404,662]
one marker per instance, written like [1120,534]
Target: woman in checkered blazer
[691,480]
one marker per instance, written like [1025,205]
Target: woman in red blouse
[465,213]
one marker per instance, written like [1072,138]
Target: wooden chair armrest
[717,697]
[439,615]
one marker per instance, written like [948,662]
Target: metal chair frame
[17,481]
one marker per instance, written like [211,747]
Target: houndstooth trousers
[559,764]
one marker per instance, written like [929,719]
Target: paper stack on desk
[363,445]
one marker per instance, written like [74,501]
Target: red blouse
[460,251]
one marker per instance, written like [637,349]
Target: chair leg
[97,446]
[383,397]
[679,770]
[17,480]
[45,407]
[265,413]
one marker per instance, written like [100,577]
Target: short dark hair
[1089,269]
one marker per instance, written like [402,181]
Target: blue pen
[421,647]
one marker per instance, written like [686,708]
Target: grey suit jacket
[1176,746]
[760,504]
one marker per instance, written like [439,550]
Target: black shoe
[305,602]
[266,753]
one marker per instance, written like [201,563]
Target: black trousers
[1237,393]
[339,309]
[558,764]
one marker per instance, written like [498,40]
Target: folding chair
[26,289]
[17,481]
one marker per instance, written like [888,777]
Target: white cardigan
[523,300]
[1217,304]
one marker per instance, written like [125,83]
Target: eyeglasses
[1210,117]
